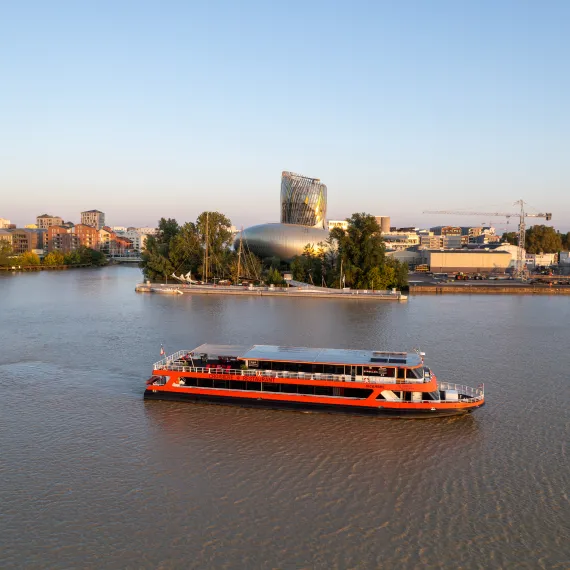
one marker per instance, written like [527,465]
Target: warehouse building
[467,261]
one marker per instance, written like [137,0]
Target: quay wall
[487,290]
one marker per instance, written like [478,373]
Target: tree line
[541,239]
[80,256]
[205,250]
[354,258]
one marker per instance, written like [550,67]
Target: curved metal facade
[303,200]
[284,241]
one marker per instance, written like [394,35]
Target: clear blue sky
[148,109]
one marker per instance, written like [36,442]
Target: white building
[541,259]
[4,223]
[146,231]
[398,241]
[137,238]
[513,250]
[440,242]
[342,224]
[564,258]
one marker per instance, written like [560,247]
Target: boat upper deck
[293,354]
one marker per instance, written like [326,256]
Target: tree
[361,248]
[354,257]
[511,237]
[543,239]
[54,258]
[166,230]
[88,256]
[185,250]
[274,277]
[5,253]
[565,238]
[180,249]
[72,258]
[308,267]
[28,258]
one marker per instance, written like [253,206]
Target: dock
[271,291]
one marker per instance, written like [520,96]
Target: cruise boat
[328,379]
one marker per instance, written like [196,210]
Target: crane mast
[522,215]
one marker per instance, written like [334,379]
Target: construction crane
[522,215]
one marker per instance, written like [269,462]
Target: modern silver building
[303,220]
[303,200]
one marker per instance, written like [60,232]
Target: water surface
[93,476]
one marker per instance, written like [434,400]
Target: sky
[149,109]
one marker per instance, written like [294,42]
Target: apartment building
[60,238]
[24,240]
[87,236]
[45,221]
[93,218]
[135,237]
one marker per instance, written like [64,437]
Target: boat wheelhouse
[357,381]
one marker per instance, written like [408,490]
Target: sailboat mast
[206,252]
[239,256]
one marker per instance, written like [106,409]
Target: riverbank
[270,291]
[46,267]
[488,289]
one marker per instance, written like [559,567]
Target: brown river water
[92,476]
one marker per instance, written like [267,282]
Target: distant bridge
[125,257]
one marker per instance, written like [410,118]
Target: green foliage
[543,239]
[5,253]
[54,258]
[361,248]
[181,249]
[72,258]
[352,258]
[167,229]
[274,277]
[510,237]
[27,259]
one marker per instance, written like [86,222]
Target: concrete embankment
[270,292]
[488,290]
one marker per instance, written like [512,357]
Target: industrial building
[467,261]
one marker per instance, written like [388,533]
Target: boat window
[401,373]
[381,371]
[417,373]
[356,393]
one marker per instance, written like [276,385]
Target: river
[92,476]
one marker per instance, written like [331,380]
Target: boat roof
[339,356]
[235,350]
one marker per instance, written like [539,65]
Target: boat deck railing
[174,363]
[473,394]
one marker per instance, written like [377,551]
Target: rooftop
[339,356]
